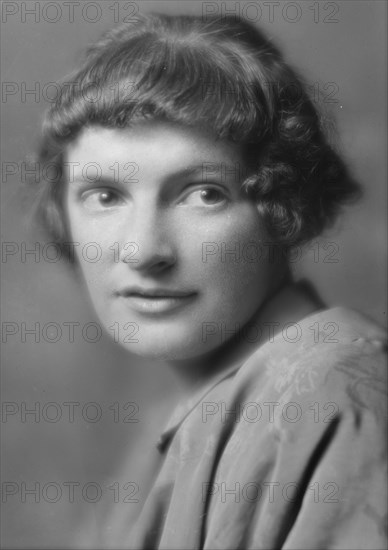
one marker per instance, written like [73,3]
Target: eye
[101,199]
[208,196]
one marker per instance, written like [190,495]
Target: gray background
[349,53]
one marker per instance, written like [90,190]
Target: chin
[163,349]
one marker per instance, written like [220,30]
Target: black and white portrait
[194,274]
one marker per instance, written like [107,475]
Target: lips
[154,293]
[157,300]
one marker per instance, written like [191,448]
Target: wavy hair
[220,74]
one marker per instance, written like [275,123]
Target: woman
[190,156]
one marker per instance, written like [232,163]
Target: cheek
[94,250]
[230,259]
[239,245]
[239,284]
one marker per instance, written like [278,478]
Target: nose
[148,246]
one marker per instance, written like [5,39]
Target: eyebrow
[210,170]
[207,169]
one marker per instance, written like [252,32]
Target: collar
[354,328]
[187,405]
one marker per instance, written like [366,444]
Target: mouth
[156,301]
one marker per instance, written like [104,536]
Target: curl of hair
[219,74]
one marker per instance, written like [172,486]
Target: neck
[289,303]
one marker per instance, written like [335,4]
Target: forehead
[162,146]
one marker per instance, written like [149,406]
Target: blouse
[285,451]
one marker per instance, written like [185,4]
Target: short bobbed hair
[217,73]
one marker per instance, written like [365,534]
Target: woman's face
[171,250]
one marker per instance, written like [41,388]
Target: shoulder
[306,410]
[334,356]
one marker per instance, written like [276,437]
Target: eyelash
[207,188]
[116,195]
[96,193]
